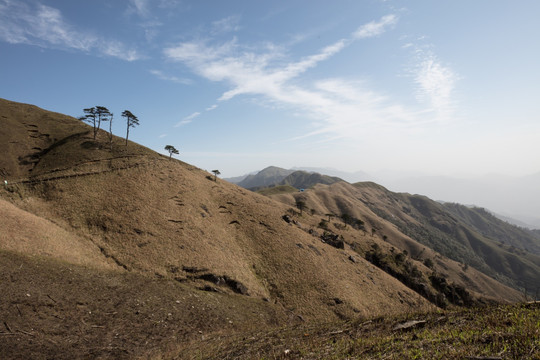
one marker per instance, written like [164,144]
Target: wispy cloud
[188,119]
[339,108]
[140,7]
[375,28]
[45,26]
[228,24]
[160,75]
[435,84]
[143,8]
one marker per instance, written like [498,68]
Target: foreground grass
[494,332]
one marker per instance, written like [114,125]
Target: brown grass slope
[468,236]
[360,203]
[166,230]
[491,226]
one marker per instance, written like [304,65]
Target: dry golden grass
[26,233]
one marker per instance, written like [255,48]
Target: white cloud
[435,84]
[160,75]
[45,26]
[188,119]
[228,24]
[339,108]
[210,108]
[140,7]
[375,28]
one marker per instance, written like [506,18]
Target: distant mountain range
[269,176]
[275,176]
[509,198]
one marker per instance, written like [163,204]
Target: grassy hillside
[490,226]
[269,176]
[497,332]
[278,189]
[471,237]
[345,211]
[80,214]
[124,253]
[54,309]
[305,180]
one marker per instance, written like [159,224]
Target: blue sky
[439,87]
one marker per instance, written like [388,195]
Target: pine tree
[90,117]
[172,150]
[131,121]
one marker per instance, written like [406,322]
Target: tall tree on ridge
[90,117]
[102,114]
[131,120]
[172,150]
[110,117]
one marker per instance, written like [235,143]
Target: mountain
[304,180]
[472,237]
[490,226]
[236,179]
[350,177]
[275,176]
[125,253]
[120,252]
[266,177]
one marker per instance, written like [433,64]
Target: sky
[434,87]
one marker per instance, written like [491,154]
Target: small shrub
[429,263]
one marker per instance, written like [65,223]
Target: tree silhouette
[216,173]
[301,205]
[172,150]
[102,114]
[95,115]
[110,118]
[131,121]
[90,117]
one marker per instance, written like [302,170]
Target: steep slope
[365,204]
[490,226]
[136,218]
[477,242]
[26,233]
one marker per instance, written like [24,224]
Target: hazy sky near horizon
[440,87]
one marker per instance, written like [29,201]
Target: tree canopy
[131,121]
[172,150]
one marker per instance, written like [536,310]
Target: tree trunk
[127,134]
[110,131]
